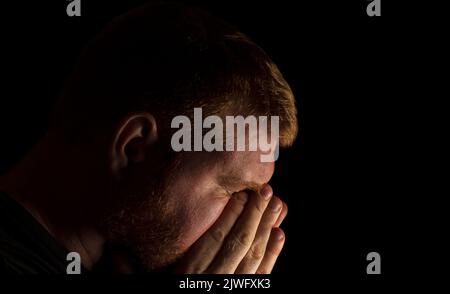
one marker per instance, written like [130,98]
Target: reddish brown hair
[168,59]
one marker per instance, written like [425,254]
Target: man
[105,182]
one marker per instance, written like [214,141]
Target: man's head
[146,67]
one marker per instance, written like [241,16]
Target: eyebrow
[230,181]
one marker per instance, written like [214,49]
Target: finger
[274,246]
[242,234]
[255,254]
[206,247]
[282,216]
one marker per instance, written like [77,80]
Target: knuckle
[260,206]
[275,250]
[241,240]
[245,239]
[217,235]
[257,251]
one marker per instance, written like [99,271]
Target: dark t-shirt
[25,246]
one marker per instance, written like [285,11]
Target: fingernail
[279,235]
[275,205]
[242,196]
[265,191]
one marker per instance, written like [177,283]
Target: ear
[132,139]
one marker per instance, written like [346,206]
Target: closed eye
[233,184]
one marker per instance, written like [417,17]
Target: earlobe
[132,139]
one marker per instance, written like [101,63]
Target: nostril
[266,191]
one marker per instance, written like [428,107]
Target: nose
[264,172]
[267,171]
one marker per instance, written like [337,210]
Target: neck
[51,184]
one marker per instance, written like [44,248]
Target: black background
[347,180]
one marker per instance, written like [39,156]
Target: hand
[245,239]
